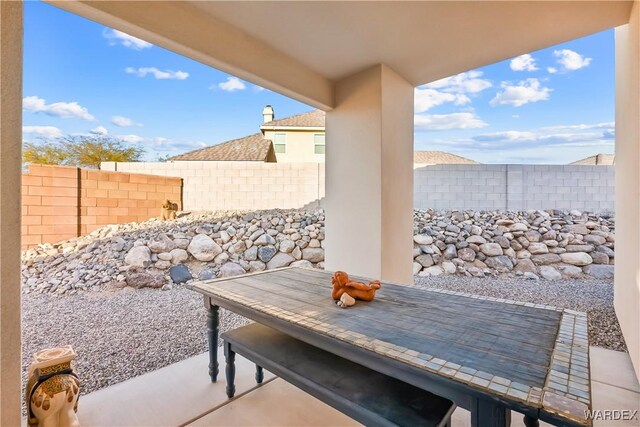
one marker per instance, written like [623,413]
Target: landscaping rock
[203,248]
[280,260]
[180,273]
[313,254]
[576,258]
[231,269]
[138,256]
[550,273]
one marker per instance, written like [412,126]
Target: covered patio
[359,62]
[194,401]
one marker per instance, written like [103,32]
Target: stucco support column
[369,176]
[627,168]
[10,158]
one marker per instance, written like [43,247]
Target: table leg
[259,374]
[485,413]
[230,357]
[213,323]
[531,422]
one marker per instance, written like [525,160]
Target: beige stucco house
[299,139]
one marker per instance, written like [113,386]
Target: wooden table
[487,355]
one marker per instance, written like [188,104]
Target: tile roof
[598,159]
[439,158]
[249,148]
[313,118]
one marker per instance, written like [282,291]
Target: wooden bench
[365,395]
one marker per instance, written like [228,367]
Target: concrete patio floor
[181,394]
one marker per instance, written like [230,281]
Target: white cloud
[123,121]
[570,60]
[451,89]
[523,63]
[158,74]
[469,82]
[448,121]
[425,99]
[65,110]
[524,92]
[44,131]
[232,84]
[552,70]
[560,128]
[118,37]
[132,139]
[100,130]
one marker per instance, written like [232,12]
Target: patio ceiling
[301,48]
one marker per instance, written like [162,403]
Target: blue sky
[554,106]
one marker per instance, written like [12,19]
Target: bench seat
[365,395]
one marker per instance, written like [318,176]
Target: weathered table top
[527,356]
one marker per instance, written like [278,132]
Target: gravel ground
[118,335]
[592,296]
[123,334]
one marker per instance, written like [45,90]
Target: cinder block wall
[61,202]
[514,187]
[50,204]
[256,185]
[119,197]
[239,185]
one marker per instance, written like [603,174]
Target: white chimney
[268,114]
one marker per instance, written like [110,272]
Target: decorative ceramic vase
[52,390]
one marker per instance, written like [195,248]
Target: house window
[318,143]
[280,143]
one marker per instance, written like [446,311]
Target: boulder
[501,263]
[280,260]
[161,243]
[424,260]
[423,239]
[576,258]
[179,256]
[231,269]
[301,263]
[435,270]
[600,271]
[599,257]
[518,226]
[416,268]
[264,240]
[467,254]
[491,249]
[180,273]
[525,265]
[257,266]
[206,274]
[137,277]
[165,256]
[569,271]
[531,276]
[265,253]
[478,240]
[450,252]
[594,239]
[550,273]
[537,248]
[449,267]
[287,246]
[203,248]
[545,259]
[313,254]
[251,254]
[138,256]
